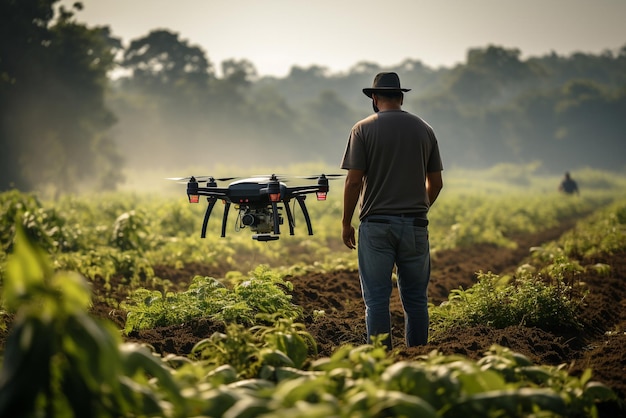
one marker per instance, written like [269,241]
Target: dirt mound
[601,346]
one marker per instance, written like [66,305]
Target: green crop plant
[272,352]
[129,231]
[263,293]
[476,207]
[499,302]
[237,347]
[288,337]
[42,224]
[103,263]
[59,361]
[602,232]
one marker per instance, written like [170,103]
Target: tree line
[77,107]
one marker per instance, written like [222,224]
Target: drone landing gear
[265,237]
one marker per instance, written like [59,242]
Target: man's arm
[351,192]
[434,184]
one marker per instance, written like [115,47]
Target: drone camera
[248,219]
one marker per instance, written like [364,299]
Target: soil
[601,345]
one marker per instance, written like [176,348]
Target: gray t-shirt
[395,149]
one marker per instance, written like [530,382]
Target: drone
[257,199]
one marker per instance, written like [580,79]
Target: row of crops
[60,361]
[125,234]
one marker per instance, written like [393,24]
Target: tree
[491,75]
[54,76]
[167,103]
[237,78]
[166,63]
[23,31]
[591,125]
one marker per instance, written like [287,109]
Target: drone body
[257,199]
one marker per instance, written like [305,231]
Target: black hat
[385,82]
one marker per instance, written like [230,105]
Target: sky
[276,35]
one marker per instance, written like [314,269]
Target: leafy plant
[263,293]
[129,231]
[288,337]
[59,361]
[497,302]
[43,225]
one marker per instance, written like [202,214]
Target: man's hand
[349,236]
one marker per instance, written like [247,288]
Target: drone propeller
[328,176]
[284,177]
[277,177]
[200,178]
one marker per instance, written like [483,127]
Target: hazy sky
[277,34]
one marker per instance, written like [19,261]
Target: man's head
[386,89]
[387,101]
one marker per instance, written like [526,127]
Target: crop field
[112,305]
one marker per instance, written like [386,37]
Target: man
[568,185]
[394,166]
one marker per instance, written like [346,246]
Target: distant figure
[568,185]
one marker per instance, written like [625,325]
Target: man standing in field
[568,185]
[394,166]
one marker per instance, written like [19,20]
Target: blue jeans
[381,246]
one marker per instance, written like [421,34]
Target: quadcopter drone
[257,199]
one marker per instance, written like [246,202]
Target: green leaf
[27,268]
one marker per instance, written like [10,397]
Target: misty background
[78,108]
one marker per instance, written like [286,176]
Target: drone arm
[305,212]
[289,217]
[207,214]
[302,190]
[211,192]
[225,218]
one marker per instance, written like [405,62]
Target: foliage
[462,219]
[129,231]
[59,361]
[207,297]
[53,77]
[602,233]
[258,351]
[365,381]
[127,234]
[104,263]
[547,293]
[496,302]
[46,226]
[163,63]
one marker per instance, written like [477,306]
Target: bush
[497,302]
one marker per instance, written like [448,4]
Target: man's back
[395,149]
[569,186]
